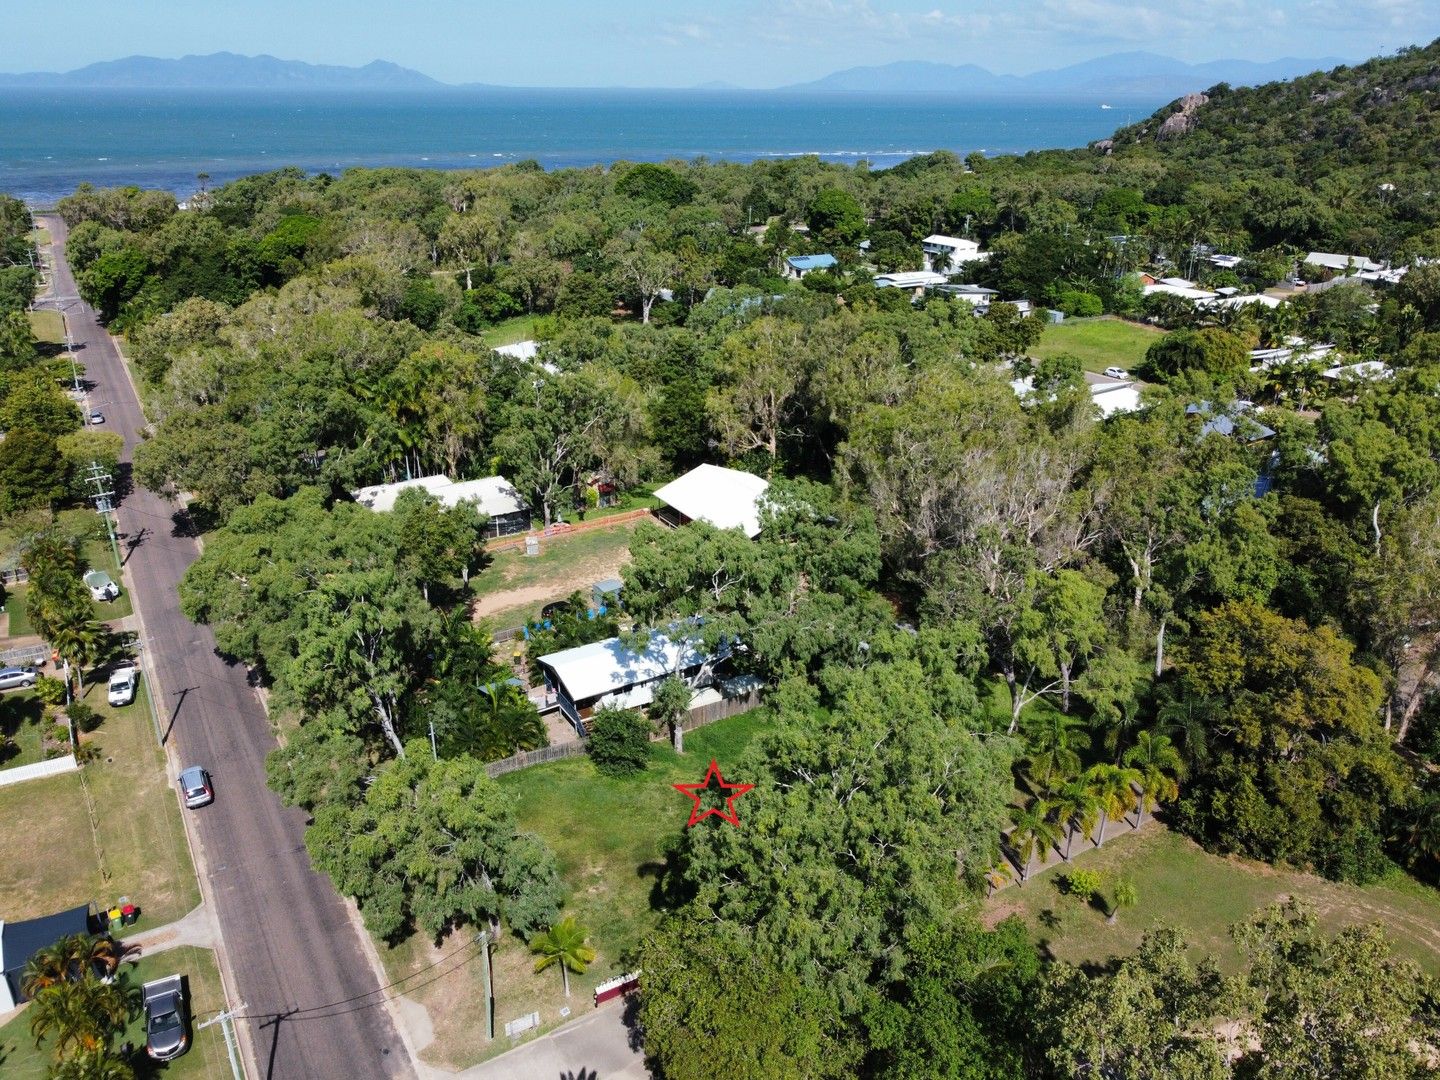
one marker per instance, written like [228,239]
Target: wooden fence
[526,758]
[570,528]
[699,716]
[718,710]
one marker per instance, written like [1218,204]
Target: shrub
[83,716]
[49,690]
[1083,883]
[619,742]
[1081,304]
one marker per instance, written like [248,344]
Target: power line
[299,1014]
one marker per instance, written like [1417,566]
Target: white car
[1117,373]
[123,681]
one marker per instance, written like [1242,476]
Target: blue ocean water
[51,140]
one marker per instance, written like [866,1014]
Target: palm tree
[82,1015]
[1422,829]
[1034,831]
[1052,738]
[1074,809]
[91,1065]
[564,944]
[1113,787]
[1160,770]
[69,960]
[82,644]
[1125,897]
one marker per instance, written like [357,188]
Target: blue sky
[683,42]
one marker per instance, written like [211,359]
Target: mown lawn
[111,830]
[23,723]
[98,554]
[1181,885]
[206,1059]
[15,608]
[1097,343]
[48,327]
[609,836]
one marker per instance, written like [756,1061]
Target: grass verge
[608,835]
[1097,343]
[48,327]
[206,1059]
[1181,885]
[113,829]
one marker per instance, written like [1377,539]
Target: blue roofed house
[797,266]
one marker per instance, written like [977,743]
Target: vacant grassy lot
[20,1059]
[1098,343]
[48,327]
[1204,895]
[609,837]
[111,830]
[515,586]
[520,328]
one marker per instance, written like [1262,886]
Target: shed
[725,498]
[19,941]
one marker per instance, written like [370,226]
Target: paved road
[289,941]
[600,1046]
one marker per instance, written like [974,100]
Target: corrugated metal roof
[608,667]
[725,498]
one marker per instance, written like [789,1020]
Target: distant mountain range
[1120,73]
[227,71]
[1117,74]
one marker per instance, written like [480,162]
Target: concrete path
[197,928]
[601,1046]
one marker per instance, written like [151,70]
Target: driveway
[600,1046]
[313,1007]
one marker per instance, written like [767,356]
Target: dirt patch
[994,914]
[580,576]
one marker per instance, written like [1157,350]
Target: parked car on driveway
[1117,373]
[13,677]
[123,681]
[167,1034]
[195,787]
[101,585]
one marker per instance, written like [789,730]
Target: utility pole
[434,754]
[484,940]
[104,504]
[226,1020]
[70,352]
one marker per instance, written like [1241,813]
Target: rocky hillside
[1377,122]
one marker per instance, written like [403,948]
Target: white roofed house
[949,254]
[1341,264]
[610,673]
[505,511]
[724,498]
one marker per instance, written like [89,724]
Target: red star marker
[694,790]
